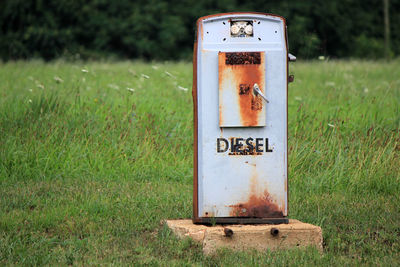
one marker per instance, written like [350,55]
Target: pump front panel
[240,99]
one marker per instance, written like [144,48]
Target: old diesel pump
[240,113]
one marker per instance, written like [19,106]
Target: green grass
[89,167]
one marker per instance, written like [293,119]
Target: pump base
[261,237]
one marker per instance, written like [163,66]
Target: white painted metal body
[227,181]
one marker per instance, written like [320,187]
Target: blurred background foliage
[164,30]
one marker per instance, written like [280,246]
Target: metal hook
[257,91]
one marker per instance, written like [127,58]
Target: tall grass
[94,155]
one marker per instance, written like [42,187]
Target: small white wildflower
[321,58]
[145,76]
[130,89]
[30,90]
[154,67]
[85,70]
[29,100]
[331,125]
[366,90]
[348,76]
[169,74]
[113,86]
[39,85]
[58,79]
[182,88]
[298,98]
[330,83]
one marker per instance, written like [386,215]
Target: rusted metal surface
[259,204]
[240,220]
[238,72]
[195,131]
[243,58]
[258,207]
[220,185]
[246,152]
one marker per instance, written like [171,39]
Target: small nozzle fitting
[274,231]
[228,232]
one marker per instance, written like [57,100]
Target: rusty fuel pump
[240,114]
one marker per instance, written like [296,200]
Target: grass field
[94,155]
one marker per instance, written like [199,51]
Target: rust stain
[220,88]
[244,70]
[285,184]
[258,205]
[250,105]
[249,75]
[201,31]
[242,58]
[252,164]
[244,153]
[244,149]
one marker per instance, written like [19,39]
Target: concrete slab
[240,237]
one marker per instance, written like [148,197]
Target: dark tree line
[160,29]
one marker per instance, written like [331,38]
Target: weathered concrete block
[240,237]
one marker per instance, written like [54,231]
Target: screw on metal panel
[274,231]
[228,232]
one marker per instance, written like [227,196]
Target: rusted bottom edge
[240,220]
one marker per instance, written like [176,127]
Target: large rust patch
[258,205]
[242,58]
[238,72]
